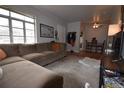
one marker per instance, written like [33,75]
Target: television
[118,46]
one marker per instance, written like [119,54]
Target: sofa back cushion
[10,49]
[27,48]
[43,47]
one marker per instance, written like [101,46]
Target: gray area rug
[76,71]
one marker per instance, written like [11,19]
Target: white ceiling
[71,13]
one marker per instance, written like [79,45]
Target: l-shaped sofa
[25,65]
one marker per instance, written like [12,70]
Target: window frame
[10,18]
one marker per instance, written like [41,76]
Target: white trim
[10,29]
[24,31]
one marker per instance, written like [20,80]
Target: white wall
[43,17]
[88,34]
[61,33]
[100,33]
[74,27]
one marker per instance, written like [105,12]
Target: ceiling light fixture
[96,20]
[95,25]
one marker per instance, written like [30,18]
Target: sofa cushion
[9,60]
[41,58]
[43,47]
[38,58]
[10,49]
[47,52]
[27,48]
[50,57]
[2,54]
[26,74]
[32,56]
[50,54]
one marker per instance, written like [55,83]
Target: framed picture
[46,31]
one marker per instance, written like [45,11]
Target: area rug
[77,71]
[90,62]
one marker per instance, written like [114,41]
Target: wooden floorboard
[88,54]
[107,60]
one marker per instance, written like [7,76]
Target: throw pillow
[56,47]
[1,73]
[2,54]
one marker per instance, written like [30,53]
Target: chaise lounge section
[23,65]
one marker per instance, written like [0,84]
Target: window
[4,30]
[4,12]
[16,28]
[4,21]
[16,15]
[28,19]
[29,33]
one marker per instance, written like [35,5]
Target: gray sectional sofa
[24,65]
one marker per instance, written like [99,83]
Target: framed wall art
[46,31]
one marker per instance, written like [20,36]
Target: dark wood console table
[94,47]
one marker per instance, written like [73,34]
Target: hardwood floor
[88,54]
[107,60]
[108,64]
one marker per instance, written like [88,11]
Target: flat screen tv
[118,46]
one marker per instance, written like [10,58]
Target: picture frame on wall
[46,31]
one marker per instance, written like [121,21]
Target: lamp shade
[113,29]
